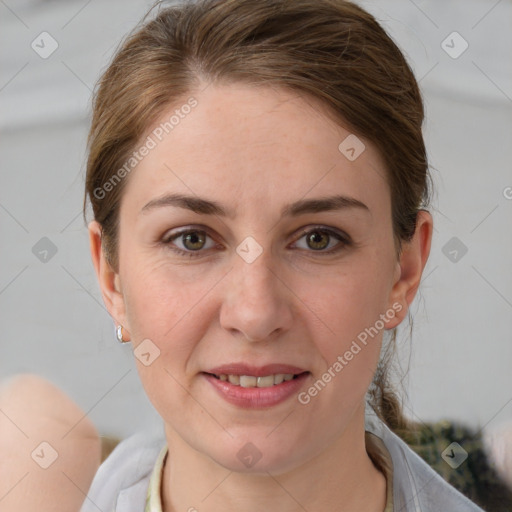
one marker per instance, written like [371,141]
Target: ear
[409,269]
[108,279]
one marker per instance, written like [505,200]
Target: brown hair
[329,50]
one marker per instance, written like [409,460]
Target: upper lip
[256,371]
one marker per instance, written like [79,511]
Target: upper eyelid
[185,230]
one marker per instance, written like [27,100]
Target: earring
[119,334]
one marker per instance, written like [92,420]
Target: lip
[257,398]
[256,371]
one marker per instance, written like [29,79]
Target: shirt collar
[153,497]
[375,447]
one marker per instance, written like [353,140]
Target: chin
[258,455]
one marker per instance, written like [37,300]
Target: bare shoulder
[49,448]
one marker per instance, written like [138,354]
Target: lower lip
[257,398]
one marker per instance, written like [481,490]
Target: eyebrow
[206,207]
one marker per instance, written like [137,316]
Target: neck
[342,477]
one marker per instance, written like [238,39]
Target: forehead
[248,145]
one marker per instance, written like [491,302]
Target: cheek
[348,302]
[166,306]
[349,348]
[162,302]
[349,305]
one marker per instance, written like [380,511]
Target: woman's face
[266,277]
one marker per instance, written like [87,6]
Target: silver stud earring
[119,334]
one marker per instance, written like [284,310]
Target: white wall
[53,321]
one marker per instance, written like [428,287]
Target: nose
[257,304]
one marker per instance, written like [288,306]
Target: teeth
[247,381]
[250,381]
[265,382]
[234,379]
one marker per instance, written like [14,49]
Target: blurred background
[53,321]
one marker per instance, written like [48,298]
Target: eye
[191,240]
[320,238]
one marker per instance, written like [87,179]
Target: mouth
[250,387]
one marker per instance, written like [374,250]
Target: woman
[258,179]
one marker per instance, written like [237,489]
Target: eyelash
[344,239]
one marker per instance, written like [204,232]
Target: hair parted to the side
[331,51]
